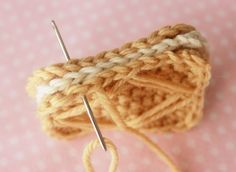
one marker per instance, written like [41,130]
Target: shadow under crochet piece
[155,84]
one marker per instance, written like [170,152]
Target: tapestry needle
[84,98]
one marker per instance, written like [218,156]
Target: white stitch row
[190,40]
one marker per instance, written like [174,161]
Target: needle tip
[53,23]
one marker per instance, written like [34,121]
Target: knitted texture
[152,84]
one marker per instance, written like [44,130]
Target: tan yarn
[93,145]
[161,90]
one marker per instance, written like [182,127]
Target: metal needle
[93,120]
[84,98]
[60,40]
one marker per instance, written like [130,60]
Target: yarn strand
[111,109]
[92,146]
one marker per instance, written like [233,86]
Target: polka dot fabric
[28,42]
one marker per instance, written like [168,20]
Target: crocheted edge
[43,75]
[192,39]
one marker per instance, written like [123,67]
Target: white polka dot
[49,143]
[124,151]
[233,88]
[33,25]
[92,47]
[121,6]
[86,34]
[120,36]
[221,130]
[34,149]
[224,42]
[23,120]
[175,14]
[6,81]
[195,22]
[214,1]
[8,127]
[45,51]
[131,167]
[208,18]
[41,8]
[187,10]
[206,137]
[78,167]
[154,8]
[10,50]
[6,6]
[133,30]
[72,40]
[88,5]
[19,31]
[138,145]
[141,13]
[229,25]
[13,18]
[117,135]
[19,156]
[176,150]
[219,96]
[94,17]
[21,75]
[230,146]
[221,13]
[216,30]
[3,113]
[56,158]
[147,24]
[107,12]
[25,44]
[127,18]
[24,169]
[107,41]
[61,16]
[29,134]
[214,151]
[146,161]
[41,165]
[135,1]
[3,162]
[168,136]
[232,55]
[191,143]
[167,2]
[13,94]
[199,159]
[14,141]
[234,124]
[223,168]
[72,152]
[114,24]
[228,109]
[201,5]
[80,23]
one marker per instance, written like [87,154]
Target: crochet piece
[156,83]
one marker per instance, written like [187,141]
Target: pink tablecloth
[28,42]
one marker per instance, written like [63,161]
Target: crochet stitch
[152,84]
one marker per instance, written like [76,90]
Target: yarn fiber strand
[92,146]
[155,84]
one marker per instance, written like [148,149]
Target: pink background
[27,42]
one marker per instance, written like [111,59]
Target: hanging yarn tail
[92,146]
[111,109]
